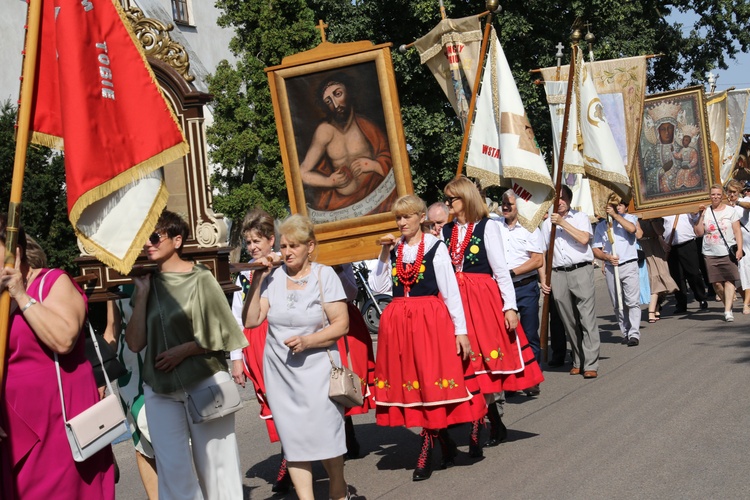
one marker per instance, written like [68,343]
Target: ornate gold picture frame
[674,170]
[342,144]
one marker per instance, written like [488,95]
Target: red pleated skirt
[500,360]
[253,354]
[363,358]
[419,378]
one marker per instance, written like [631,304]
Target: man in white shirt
[683,260]
[627,305]
[523,253]
[572,283]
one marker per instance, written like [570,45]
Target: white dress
[310,425]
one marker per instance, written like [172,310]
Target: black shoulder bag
[731,249]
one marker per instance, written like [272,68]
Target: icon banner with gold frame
[674,170]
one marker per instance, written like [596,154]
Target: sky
[737,74]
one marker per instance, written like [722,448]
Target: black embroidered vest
[475,255]
[426,283]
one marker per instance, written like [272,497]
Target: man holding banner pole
[621,267]
[571,279]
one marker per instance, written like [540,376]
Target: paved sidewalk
[665,419]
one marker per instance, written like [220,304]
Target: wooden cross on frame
[322,27]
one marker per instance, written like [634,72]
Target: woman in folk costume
[501,358]
[423,348]
[359,344]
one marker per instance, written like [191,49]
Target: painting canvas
[342,145]
[342,142]
[674,171]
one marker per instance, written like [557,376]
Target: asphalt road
[665,419]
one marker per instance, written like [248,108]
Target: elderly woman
[735,189]
[36,458]
[305,306]
[502,358]
[719,225]
[183,317]
[423,347]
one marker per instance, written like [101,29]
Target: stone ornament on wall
[156,42]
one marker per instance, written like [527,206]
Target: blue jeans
[527,300]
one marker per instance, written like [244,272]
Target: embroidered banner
[96,96]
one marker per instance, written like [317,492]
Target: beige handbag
[97,426]
[345,387]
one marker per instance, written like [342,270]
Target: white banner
[502,148]
[577,183]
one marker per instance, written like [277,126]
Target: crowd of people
[461,333]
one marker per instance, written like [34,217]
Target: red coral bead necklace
[407,275]
[457,250]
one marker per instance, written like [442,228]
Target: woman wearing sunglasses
[422,341]
[501,359]
[181,314]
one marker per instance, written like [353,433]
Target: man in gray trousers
[572,282]
[623,261]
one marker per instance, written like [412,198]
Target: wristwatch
[30,303]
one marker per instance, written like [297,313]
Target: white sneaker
[728,316]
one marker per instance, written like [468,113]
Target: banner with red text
[502,148]
[451,52]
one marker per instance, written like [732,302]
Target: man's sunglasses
[155,238]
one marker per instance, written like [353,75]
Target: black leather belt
[627,262]
[565,269]
[524,281]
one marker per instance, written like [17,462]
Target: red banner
[96,96]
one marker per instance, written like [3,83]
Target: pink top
[36,458]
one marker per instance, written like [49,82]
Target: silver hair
[441,206]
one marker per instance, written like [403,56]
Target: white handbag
[96,427]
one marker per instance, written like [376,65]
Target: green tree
[243,140]
[528,31]
[43,205]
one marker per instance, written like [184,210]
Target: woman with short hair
[422,343]
[182,315]
[305,306]
[720,227]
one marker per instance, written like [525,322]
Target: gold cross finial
[322,27]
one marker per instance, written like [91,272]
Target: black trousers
[684,266]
